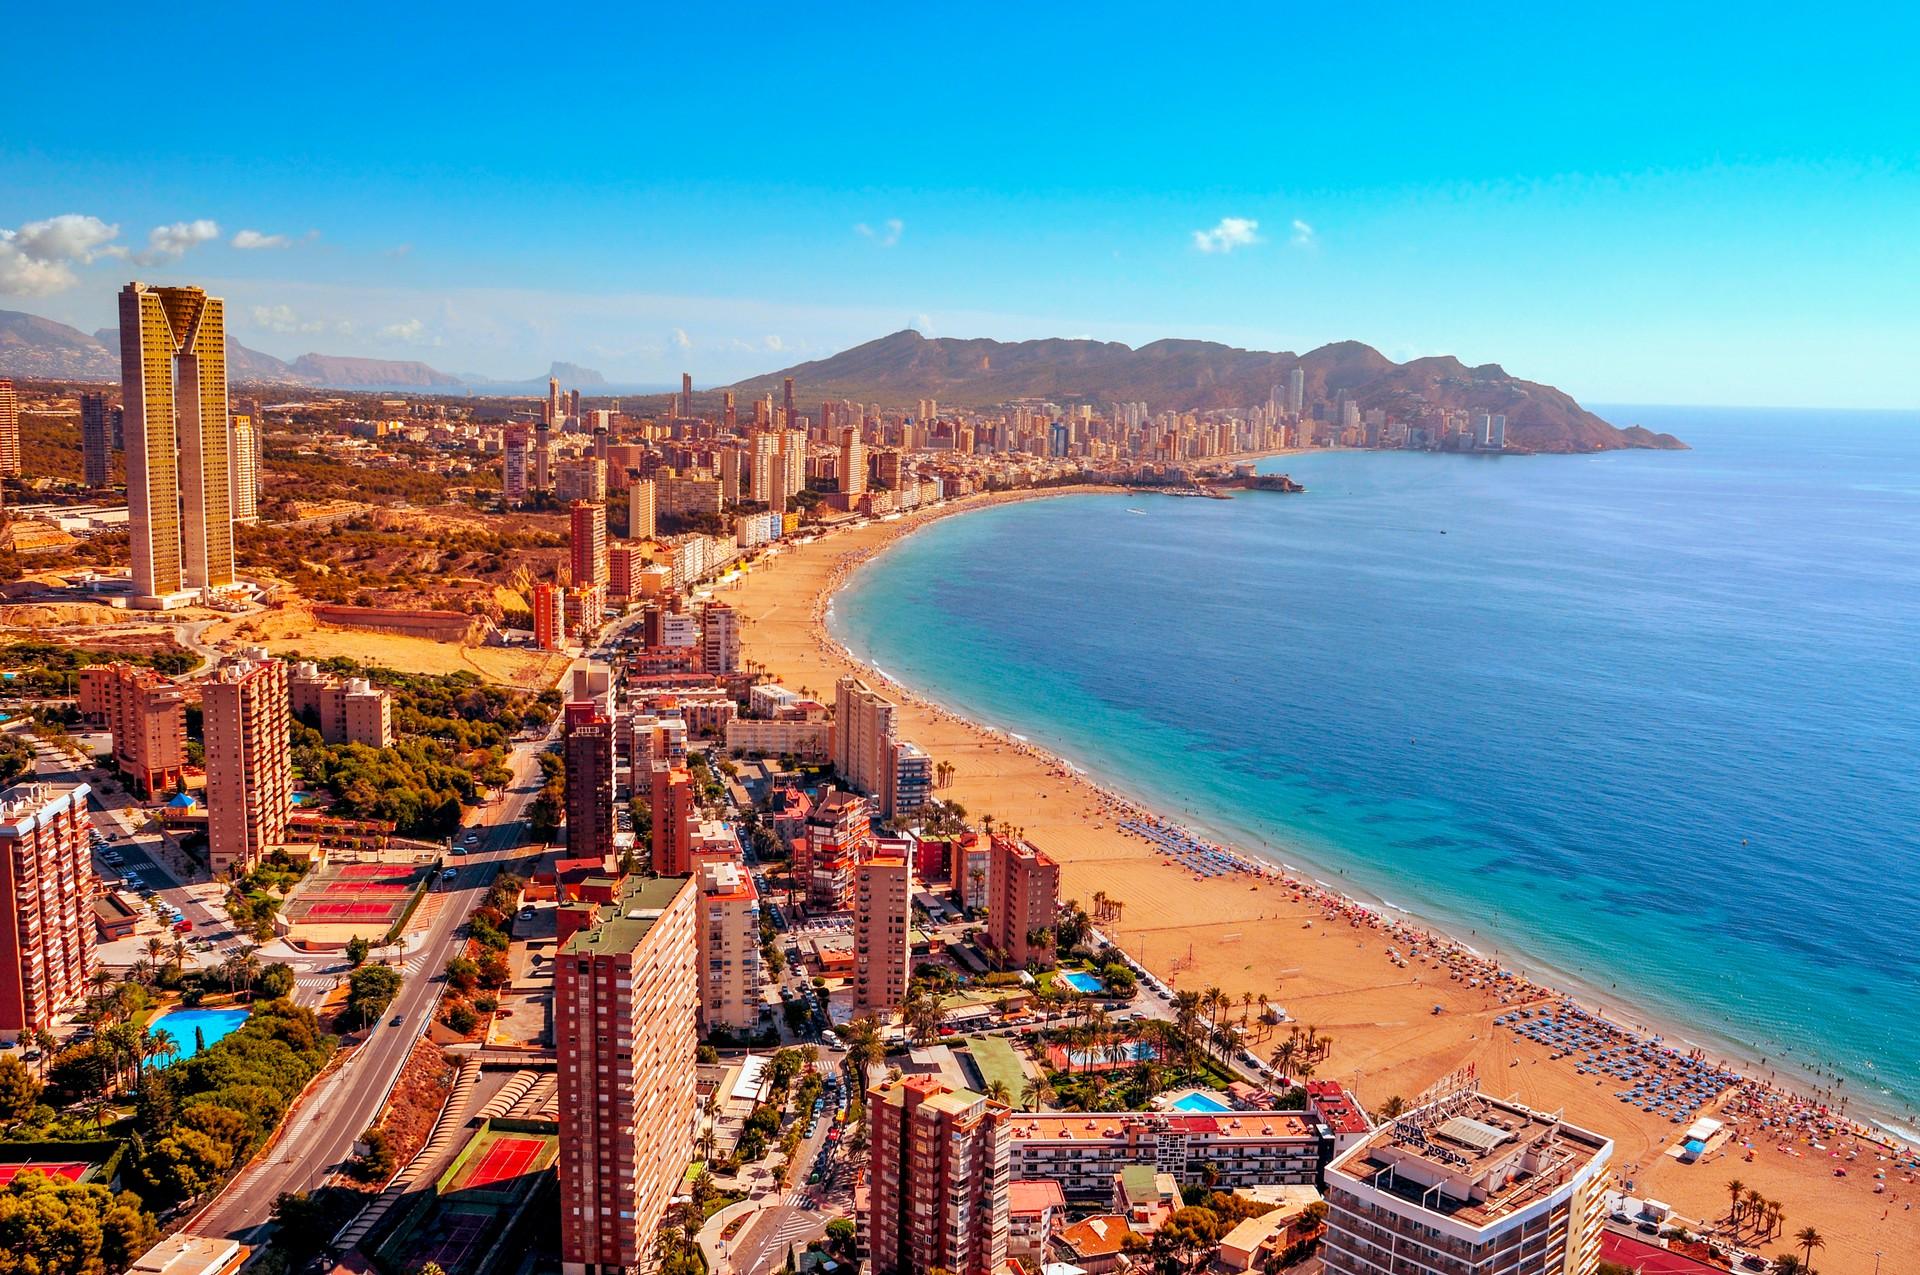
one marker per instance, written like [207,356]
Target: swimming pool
[1081,981]
[1199,1102]
[193,1028]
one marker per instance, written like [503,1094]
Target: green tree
[50,1225]
[19,1090]
[358,949]
[370,989]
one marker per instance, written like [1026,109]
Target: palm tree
[1775,1216]
[1787,1264]
[1186,1013]
[1735,1189]
[1392,1107]
[997,1092]
[1039,1094]
[156,947]
[1755,1210]
[1809,1239]
[164,1045]
[1285,1054]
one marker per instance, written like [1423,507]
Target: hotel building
[1023,898]
[516,482]
[729,926]
[46,904]
[96,441]
[173,371]
[640,510]
[1468,1185]
[9,429]
[1228,1151]
[246,456]
[587,544]
[249,761]
[882,935]
[625,1002]
[862,734]
[147,716]
[938,1181]
[719,639]
[587,748]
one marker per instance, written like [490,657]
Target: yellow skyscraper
[173,370]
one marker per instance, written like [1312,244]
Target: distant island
[897,370]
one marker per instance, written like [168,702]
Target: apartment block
[344,710]
[549,616]
[249,761]
[1468,1183]
[729,933]
[863,722]
[587,543]
[1083,1152]
[937,1187]
[719,638]
[674,816]
[147,716]
[46,905]
[626,1000]
[882,935]
[587,749]
[1023,898]
[838,839]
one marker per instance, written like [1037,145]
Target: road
[319,1135]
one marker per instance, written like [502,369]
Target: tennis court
[368,887]
[502,1160]
[457,1235]
[71,1170]
[348,911]
[373,871]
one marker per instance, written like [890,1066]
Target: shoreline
[1564,984]
[1777,1113]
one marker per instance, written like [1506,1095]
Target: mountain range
[897,370]
[33,347]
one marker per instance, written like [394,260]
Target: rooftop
[625,921]
[1077,1126]
[1033,1195]
[1472,1158]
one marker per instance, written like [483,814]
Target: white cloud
[409,332]
[923,324]
[170,243]
[681,341]
[1231,233]
[775,343]
[38,259]
[281,318]
[250,239]
[1302,234]
[886,236]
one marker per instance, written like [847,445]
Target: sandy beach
[1372,984]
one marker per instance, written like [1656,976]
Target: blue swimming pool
[194,1029]
[1081,981]
[1200,1102]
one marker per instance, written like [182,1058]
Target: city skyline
[1634,219]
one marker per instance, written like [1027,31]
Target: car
[833,1136]
[449,874]
[395,1021]
[813,1179]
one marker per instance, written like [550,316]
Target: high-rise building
[790,421]
[853,463]
[729,929]
[542,456]
[245,452]
[686,394]
[173,371]
[622,562]
[552,415]
[909,780]
[640,510]
[249,761]
[1023,898]
[838,839]
[348,710]
[549,616]
[573,408]
[46,905]
[671,792]
[584,478]
[719,638]
[9,429]
[587,542]
[516,480]
[726,410]
[862,730]
[148,718]
[937,1189]
[625,1003]
[96,439]
[587,748]
[1297,391]
[882,934]
[1468,1183]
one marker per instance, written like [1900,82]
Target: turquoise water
[1199,1102]
[1081,982]
[213,1024]
[1648,721]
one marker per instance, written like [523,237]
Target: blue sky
[1636,204]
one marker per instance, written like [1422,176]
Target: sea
[1645,724]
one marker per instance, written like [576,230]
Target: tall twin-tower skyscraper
[173,370]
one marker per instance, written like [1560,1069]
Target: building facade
[96,441]
[173,371]
[862,734]
[882,935]
[587,747]
[9,429]
[1083,1152]
[587,543]
[1468,1185]
[625,1007]
[1023,898]
[249,761]
[148,718]
[344,710]
[46,905]
[729,929]
[938,1180]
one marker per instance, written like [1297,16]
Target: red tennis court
[349,911]
[366,871]
[367,887]
[504,1158]
[70,1171]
